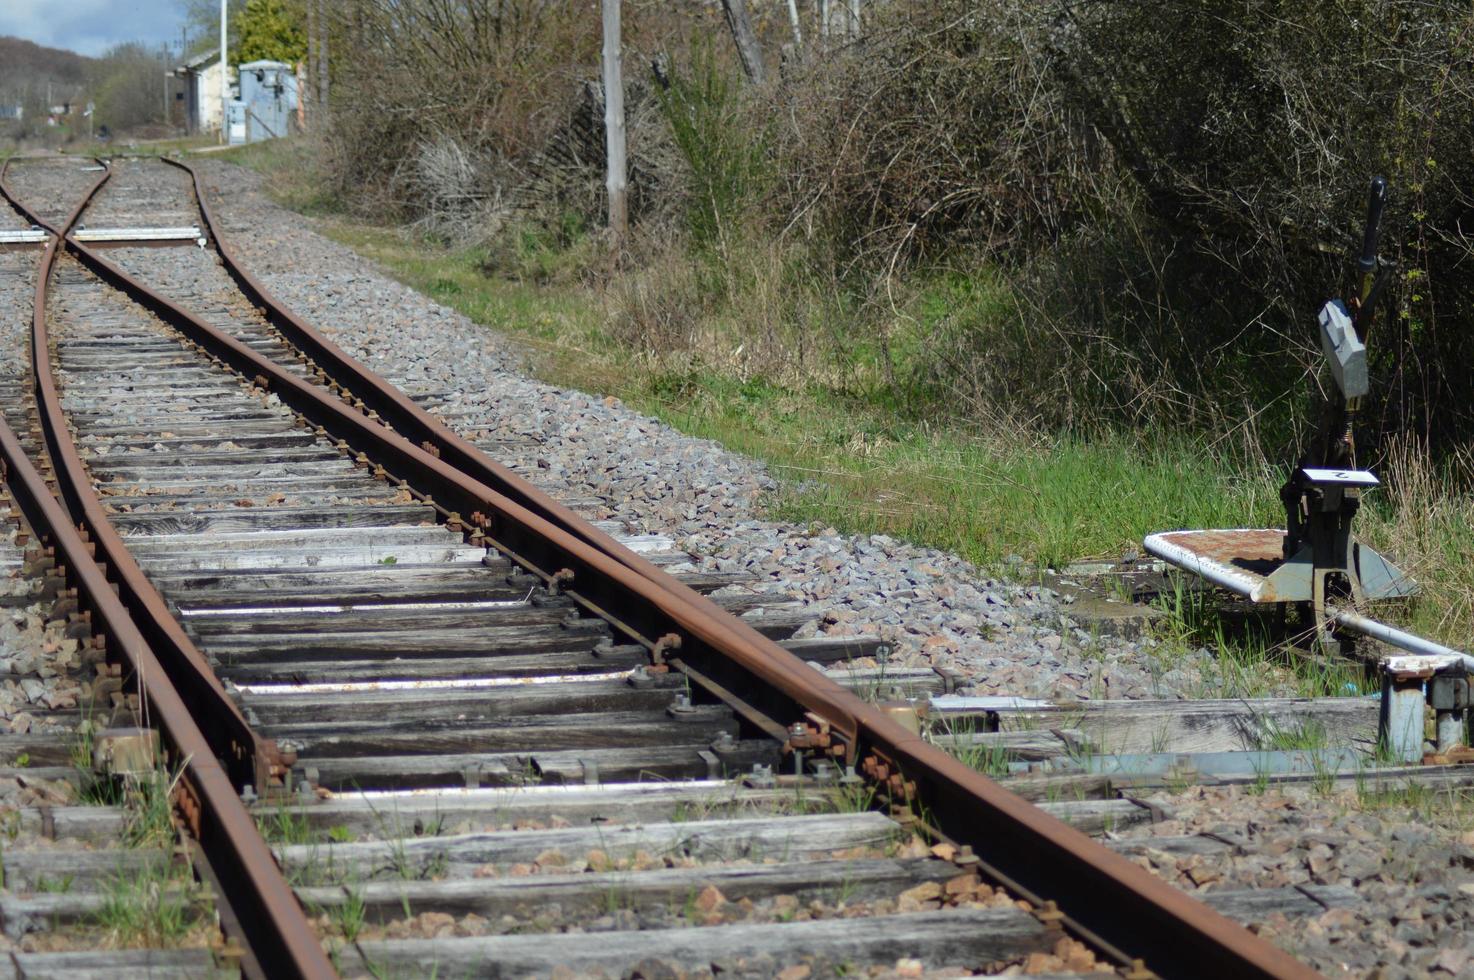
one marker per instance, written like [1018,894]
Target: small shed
[269,93]
[203,109]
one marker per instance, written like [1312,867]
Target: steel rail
[1103,895]
[251,759]
[280,941]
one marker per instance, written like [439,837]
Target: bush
[1171,189]
[1076,214]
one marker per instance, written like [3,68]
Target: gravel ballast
[1409,857]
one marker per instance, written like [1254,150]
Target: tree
[202,24]
[124,84]
[269,30]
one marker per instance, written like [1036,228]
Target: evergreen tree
[270,30]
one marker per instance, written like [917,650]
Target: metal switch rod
[1401,639]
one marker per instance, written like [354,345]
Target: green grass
[286,825]
[846,461]
[150,820]
[160,906]
[1251,658]
[986,758]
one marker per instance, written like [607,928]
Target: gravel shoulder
[1409,856]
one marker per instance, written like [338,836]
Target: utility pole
[614,136]
[322,55]
[798,34]
[311,79]
[224,79]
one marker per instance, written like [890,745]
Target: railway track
[481,734]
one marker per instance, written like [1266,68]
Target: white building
[201,76]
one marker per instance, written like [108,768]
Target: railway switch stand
[1315,563]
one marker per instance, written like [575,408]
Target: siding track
[486,737]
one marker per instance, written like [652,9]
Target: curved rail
[281,942]
[1102,894]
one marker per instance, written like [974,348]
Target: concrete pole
[322,58]
[311,76]
[614,134]
[224,79]
[798,34]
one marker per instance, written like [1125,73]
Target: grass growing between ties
[1251,659]
[159,906]
[959,738]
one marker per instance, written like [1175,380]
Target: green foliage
[157,907]
[202,24]
[269,30]
[124,87]
[726,159]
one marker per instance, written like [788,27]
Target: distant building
[12,111]
[202,108]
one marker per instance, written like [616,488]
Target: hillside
[22,61]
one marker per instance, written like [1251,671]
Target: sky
[90,27]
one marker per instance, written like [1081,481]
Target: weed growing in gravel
[1260,785]
[1323,775]
[55,886]
[150,805]
[1249,659]
[845,890]
[286,825]
[158,905]
[348,915]
[854,797]
[617,897]
[1441,805]
[959,739]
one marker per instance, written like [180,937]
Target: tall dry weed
[1427,529]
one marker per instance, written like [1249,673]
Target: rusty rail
[280,941]
[250,759]
[1103,895]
